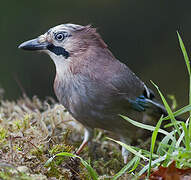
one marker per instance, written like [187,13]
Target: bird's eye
[60,36]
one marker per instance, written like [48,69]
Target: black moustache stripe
[58,50]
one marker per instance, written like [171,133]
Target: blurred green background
[140,33]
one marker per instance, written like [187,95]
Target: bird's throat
[58,50]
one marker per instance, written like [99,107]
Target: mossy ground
[32,131]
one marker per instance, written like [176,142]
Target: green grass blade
[153,141]
[180,112]
[65,154]
[165,141]
[49,161]
[145,126]
[90,170]
[163,146]
[189,127]
[155,162]
[145,152]
[125,168]
[170,113]
[171,124]
[59,154]
[136,163]
[186,137]
[130,149]
[187,61]
[186,58]
[180,139]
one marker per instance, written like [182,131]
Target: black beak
[34,44]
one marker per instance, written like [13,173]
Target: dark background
[140,33]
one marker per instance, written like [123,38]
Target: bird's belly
[97,110]
[108,120]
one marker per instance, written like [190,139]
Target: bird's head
[64,41]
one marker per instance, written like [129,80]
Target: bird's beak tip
[33,44]
[20,46]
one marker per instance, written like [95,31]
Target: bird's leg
[88,135]
[124,151]
[125,154]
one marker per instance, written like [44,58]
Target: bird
[94,86]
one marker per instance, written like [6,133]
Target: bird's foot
[88,135]
[80,149]
[125,154]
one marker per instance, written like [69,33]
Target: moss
[32,131]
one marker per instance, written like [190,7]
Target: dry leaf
[169,173]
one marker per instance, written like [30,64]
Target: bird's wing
[133,91]
[126,82]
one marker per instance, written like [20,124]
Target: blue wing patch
[140,103]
